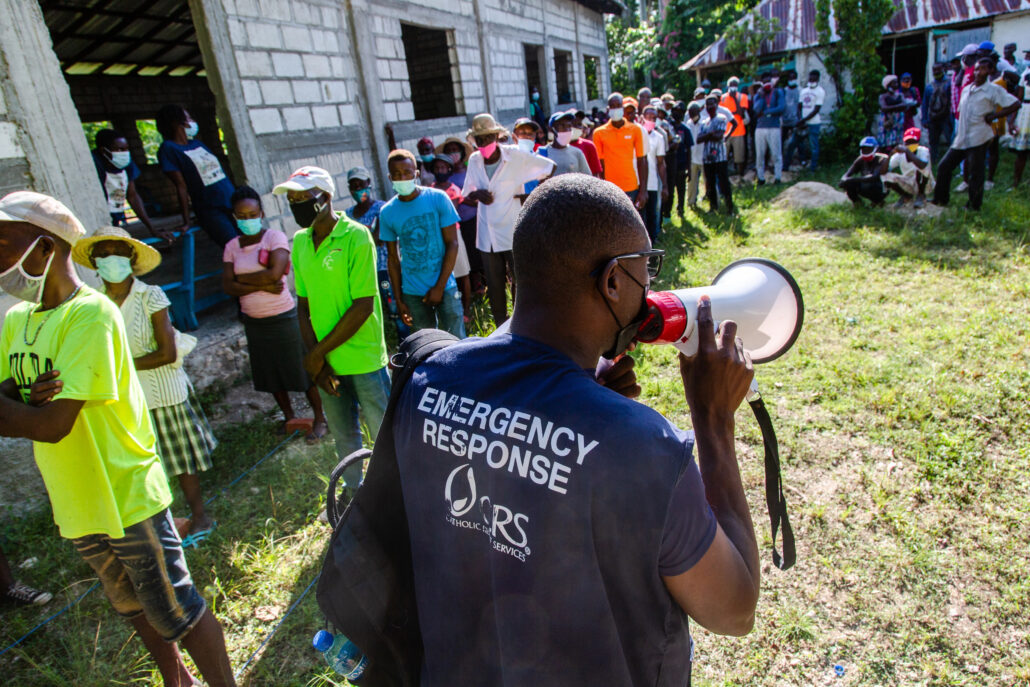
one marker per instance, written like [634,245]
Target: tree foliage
[859,26]
[659,46]
[746,38]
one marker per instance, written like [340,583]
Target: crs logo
[461,496]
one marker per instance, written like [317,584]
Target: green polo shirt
[341,270]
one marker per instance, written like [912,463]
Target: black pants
[934,131]
[864,188]
[498,267]
[467,234]
[680,186]
[975,159]
[670,175]
[717,174]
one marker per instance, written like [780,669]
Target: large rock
[221,357]
[809,194]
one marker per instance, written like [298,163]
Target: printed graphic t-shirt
[206,183]
[105,475]
[115,183]
[544,505]
[415,226]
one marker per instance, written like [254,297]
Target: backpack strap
[414,350]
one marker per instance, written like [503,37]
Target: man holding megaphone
[562,534]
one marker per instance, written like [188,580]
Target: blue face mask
[427,158]
[404,188]
[120,158]
[114,269]
[249,226]
[192,129]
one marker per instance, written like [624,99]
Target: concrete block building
[275,85]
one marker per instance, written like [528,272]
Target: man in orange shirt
[737,103]
[620,147]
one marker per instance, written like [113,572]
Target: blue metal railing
[183,293]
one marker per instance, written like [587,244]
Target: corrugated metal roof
[797,22]
[123,36]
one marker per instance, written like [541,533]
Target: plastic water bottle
[341,654]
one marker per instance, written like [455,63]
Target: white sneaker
[988,185]
[962,187]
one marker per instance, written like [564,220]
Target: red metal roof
[797,22]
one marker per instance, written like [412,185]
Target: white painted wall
[1012,28]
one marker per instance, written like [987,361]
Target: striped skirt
[184,438]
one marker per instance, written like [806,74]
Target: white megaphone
[758,294]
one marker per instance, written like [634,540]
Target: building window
[563,76]
[428,54]
[592,70]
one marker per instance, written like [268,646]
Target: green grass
[904,432]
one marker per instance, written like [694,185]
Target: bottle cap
[323,641]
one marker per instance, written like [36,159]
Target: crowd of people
[113,419]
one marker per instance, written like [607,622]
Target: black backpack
[367,587]
[940,104]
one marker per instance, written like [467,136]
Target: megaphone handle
[774,499]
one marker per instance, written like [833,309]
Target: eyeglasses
[654,261]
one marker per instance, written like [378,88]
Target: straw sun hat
[144,258]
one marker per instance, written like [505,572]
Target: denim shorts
[145,572]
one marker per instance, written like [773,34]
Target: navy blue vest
[536,500]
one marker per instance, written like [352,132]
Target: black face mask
[625,335]
[304,214]
[440,178]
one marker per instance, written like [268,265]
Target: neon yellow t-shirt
[105,475]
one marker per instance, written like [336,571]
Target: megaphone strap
[774,499]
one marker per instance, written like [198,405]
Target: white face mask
[615,114]
[577,133]
[526,144]
[23,286]
[120,158]
[114,269]
[813,84]
[563,138]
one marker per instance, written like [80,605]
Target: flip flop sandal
[197,538]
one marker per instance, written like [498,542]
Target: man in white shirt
[657,182]
[811,100]
[496,175]
[977,109]
[697,152]
[913,177]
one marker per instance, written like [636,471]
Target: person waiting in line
[254,269]
[526,133]
[118,174]
[715,128]
[197,175]
[496,174]
[621,147]
[1009,54]
[935,112]
[643,96]
[697,154]
[18,593]
[1008,81]
[657,181]
[791,113]
[93,439]
[184,438]
[806,132]
[666,123]
[366,211]
[1020,130]
[683,155]
[768,105]
[339,311]
[420,228]
[459,151]
[567,158]
[737,103]
[581,139]
[910,92]
[914,176]
[639,546]
[443,169]
[982,103]
[890,122]
[426,153]
[864,179]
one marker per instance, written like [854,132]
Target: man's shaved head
[569,226]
